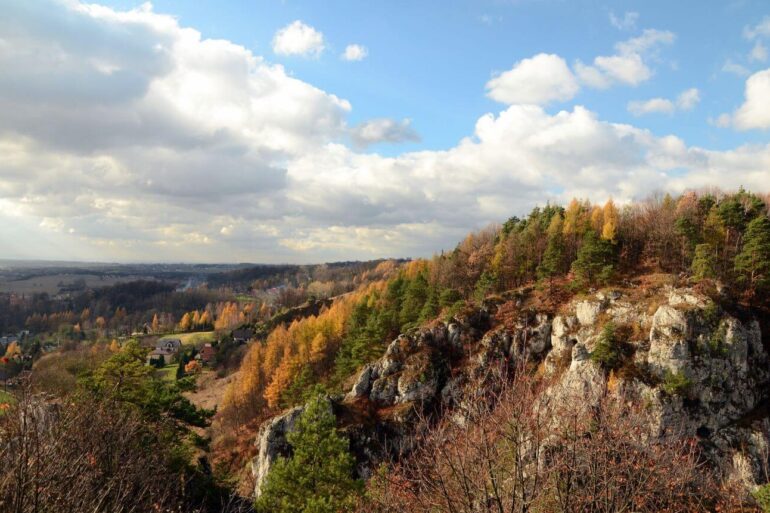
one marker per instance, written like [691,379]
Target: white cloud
[688,99]
[660,105]
[383,130]
[297,38]
[538,80]
[735,68]
[355,53]
[761,29]
[758,52]
[685,101]
[721,121]
[125,136]
[755,111]
[627,22]
[627,65]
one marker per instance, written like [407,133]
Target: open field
[53,283]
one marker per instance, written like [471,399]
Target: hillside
[585,358]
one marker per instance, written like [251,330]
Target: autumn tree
[610,221]
[185,323]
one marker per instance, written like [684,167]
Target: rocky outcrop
[696,369]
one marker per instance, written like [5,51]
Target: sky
[305,131]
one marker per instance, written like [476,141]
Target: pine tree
[595,259]
[318,477]
[752,264]
[704,262]
[553,258]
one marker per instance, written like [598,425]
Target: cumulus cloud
[755,111]
[383,130]
[297,38]
[126,136]
[686,100]
[538,80]
[627,66]
[355,53]
[627,22]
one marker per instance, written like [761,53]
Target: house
[169,344]
[167,356]
[167,349]
[243,335]
[206,354]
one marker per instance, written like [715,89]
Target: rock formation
[698,369]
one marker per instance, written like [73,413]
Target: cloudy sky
[305,131]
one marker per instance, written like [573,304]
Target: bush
[607,351]
[449,297]
[676,383]
[762,496]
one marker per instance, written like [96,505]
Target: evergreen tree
[318,477]
[595,259]
[553,258]
[704,263]
[431,307]
[414,298]
[752,264]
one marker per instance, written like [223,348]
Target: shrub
[676,383]
[762,496]
[607,351]
[449,297]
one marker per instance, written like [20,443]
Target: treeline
[725,237]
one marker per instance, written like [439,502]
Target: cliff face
[697,369]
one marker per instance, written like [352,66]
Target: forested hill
[584,351]
[716,245]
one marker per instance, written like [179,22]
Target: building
[167,349]
[242,335]
[206,354]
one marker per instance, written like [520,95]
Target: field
[195,338]
[53,283]
[168,372]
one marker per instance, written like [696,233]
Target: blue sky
[236,131]
[429,60]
